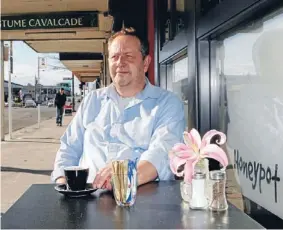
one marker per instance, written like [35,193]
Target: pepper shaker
[218,196]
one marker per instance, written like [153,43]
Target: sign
[67,78]
[49,21]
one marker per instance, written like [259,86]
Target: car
[68,109]
[30,104]
[50,103]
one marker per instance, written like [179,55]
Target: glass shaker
[198,197]
[218,197]
[186,189]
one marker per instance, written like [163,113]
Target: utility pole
[10,96]
[35,82]
[73,91]
[39,95]
[2,91]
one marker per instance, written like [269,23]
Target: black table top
[158,205]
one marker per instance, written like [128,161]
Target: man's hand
[146,173]
[103,178]
[61,180]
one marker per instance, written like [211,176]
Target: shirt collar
[150,91]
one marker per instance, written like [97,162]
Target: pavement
[23,117]
[28,159]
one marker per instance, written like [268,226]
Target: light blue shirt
[146,129]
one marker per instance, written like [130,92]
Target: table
[158,205]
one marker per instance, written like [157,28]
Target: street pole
[104,63]
[73,91]
[10,96]
[84,90]
[39,94]
[2,91]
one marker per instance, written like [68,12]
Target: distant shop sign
[49,21]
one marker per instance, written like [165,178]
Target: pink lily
[194,150]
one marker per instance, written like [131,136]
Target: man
[60,101]
[129,119]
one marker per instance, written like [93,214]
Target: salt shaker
[199,199]
[218,197]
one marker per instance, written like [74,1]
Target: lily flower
[194,151]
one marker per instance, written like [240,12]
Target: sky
[25,67]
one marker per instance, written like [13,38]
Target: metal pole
[104,64]
[73,91]
[2,91]
[10,96]
[38,82]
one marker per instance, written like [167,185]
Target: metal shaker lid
[199,175]
[217,175]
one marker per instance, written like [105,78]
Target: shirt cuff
[59,172]
[161,165]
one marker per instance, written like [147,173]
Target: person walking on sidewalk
[60,101]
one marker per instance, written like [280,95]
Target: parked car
[50,103]
[68,109]
[30,104]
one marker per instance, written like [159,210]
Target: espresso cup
[76,177]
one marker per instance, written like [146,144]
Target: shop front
[224,60]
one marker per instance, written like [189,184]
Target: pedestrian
[60,101]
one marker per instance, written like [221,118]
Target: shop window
[172,17]
[207,5]
[249,70]
[176,80]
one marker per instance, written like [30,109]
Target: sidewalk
[28,159]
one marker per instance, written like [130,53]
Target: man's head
[61,90]
[128,59]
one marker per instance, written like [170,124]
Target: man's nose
[121,60]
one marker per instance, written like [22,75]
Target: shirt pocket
[140,130]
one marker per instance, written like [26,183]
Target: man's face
[61,91]
[126,64]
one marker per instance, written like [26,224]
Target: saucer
[62,188]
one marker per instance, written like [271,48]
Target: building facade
[223,58]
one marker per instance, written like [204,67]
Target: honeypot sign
[49,21]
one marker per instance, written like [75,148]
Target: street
[23,117]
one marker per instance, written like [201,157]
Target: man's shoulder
[165,95]
[98,93]
[95,95]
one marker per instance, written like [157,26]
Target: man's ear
[146,63]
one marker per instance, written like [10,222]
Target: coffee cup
[76,177]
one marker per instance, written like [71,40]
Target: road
[23,117]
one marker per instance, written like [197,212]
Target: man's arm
[71,147]
[170,125]
[56,99]
[154,163]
